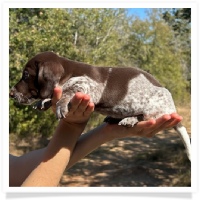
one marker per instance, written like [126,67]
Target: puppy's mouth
[22,99]
[31,99]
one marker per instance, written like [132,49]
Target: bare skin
[44,167]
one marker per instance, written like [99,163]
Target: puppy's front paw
[62,108]
[61,112]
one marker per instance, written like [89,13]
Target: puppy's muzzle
[19,97]
[12,94]
[16,95]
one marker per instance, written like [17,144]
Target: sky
[140,12]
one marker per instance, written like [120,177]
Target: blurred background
[155,40]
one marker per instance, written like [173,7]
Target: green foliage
[154,50]
[180,22]
[105,37]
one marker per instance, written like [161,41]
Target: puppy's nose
[11,94]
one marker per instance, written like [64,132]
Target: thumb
[57,94]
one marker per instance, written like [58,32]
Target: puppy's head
[39,77]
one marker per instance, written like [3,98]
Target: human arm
[44,167]
[105,133]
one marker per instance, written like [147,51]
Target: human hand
[80,107]
[144,128]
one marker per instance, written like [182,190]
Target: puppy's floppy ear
[49,74]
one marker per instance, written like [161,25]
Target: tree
[102,37]
[88,35]
[180,22]
[153,49]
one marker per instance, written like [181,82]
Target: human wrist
[110,132]
[115,131]
[71,126]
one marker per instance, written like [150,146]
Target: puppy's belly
[154,107]
[118,111]
[142,98]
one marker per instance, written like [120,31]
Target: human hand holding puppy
[81,109]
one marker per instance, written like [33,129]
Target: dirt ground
[133,162]
[136,162]
[158,161]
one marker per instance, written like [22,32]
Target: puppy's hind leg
[129,121]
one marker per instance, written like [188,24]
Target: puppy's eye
[25,75]
[34,92]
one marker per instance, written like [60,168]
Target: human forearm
[105,132]
[44,167]
[90,141]
[55,158]
[24,165]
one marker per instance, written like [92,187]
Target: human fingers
[175,119]
[80,108]
[145,125]
[83,104]
[75,101]
[164,122]
[79,103]
[143,128]
[158,126]
[151,127]
[57,93]
[89,109]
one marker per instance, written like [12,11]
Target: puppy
[125,95]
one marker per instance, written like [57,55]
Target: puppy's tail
[181,130]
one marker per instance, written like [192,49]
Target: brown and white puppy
[125,95]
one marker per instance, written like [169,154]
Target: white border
[98,4]
[101,4]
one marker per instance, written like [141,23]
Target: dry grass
[185,112]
